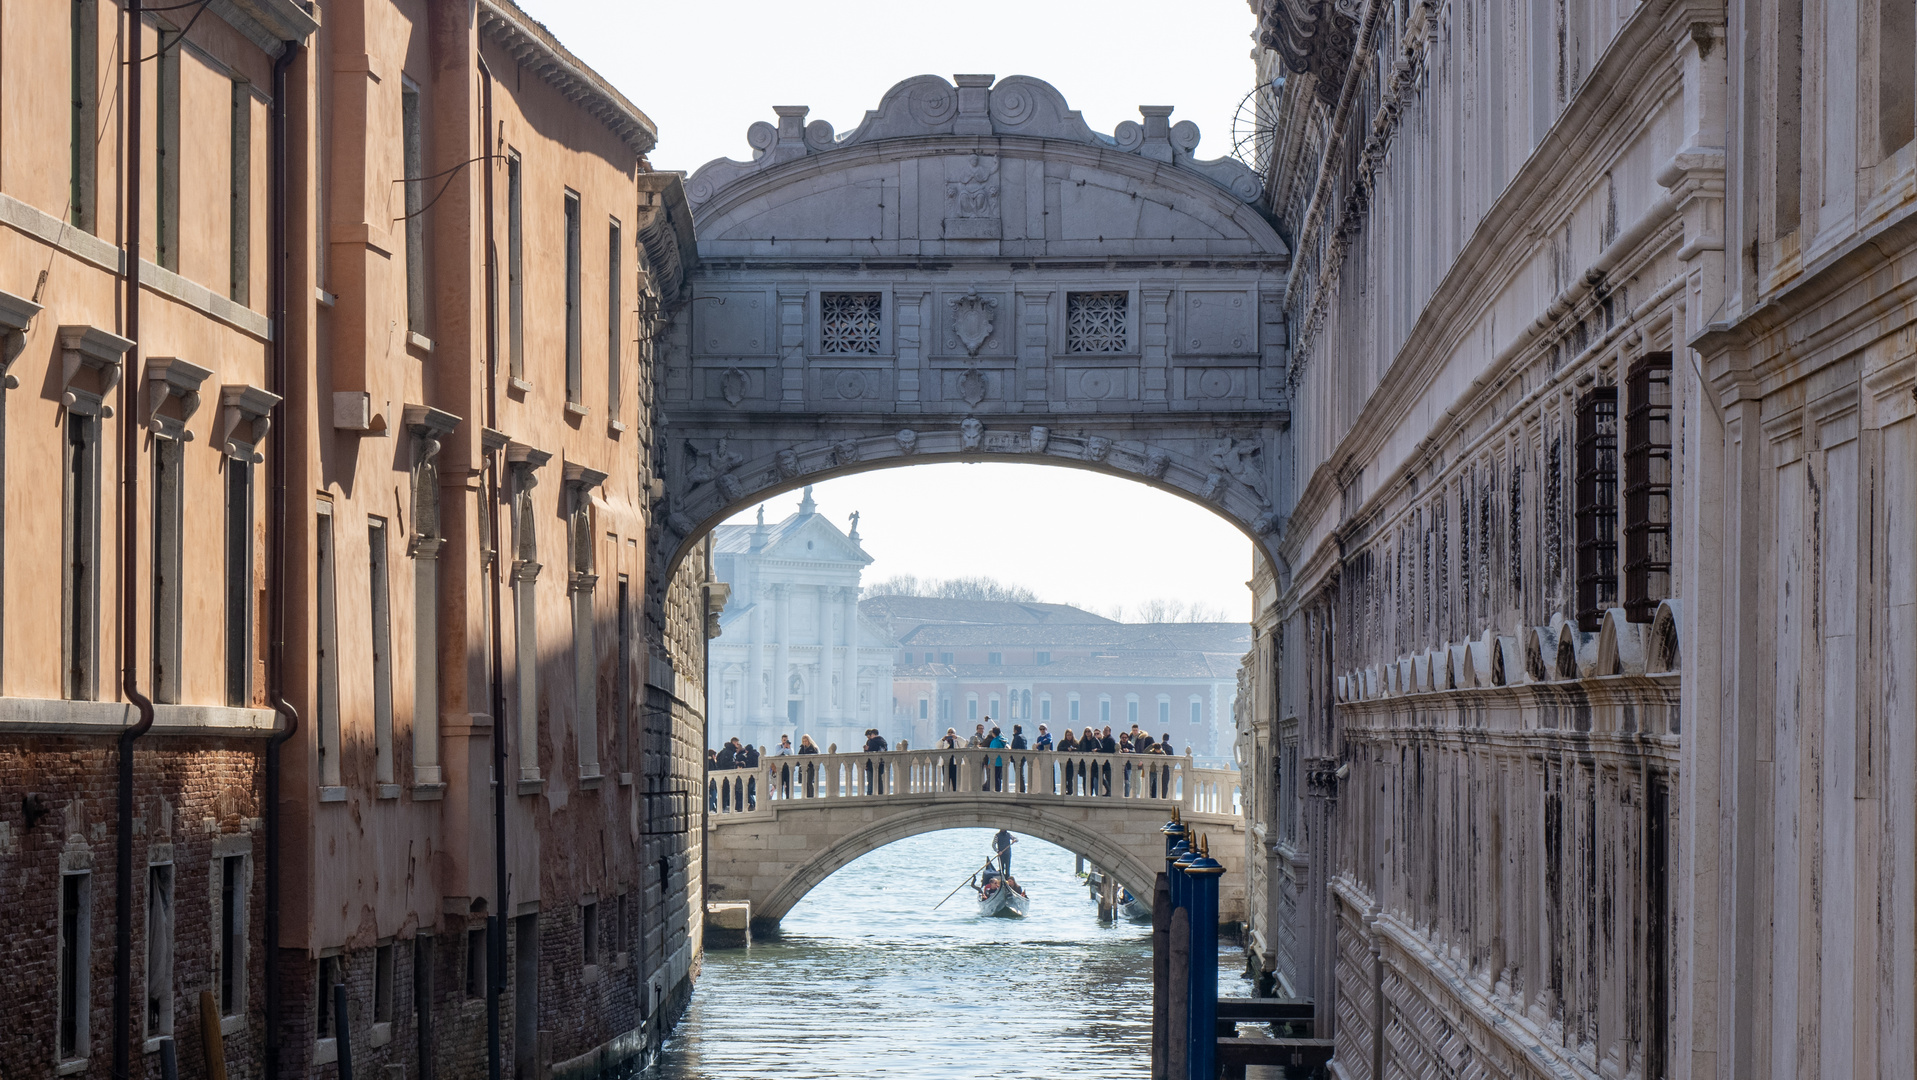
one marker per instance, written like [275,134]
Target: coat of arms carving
[972,319]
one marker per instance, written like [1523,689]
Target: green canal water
[866,980]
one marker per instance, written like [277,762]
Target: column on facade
[819,683]
[781,651]
[850,639]
[752,702]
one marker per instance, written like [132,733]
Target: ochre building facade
[327,488]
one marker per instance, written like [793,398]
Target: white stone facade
[1580,709]
[794,658]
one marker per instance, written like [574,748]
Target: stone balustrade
[971,773]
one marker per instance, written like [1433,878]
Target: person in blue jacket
[997,742]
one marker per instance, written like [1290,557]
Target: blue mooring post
[1182,898]
[1201,876]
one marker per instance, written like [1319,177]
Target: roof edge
[520,34]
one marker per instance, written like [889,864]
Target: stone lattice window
[1095,322]
[1596,505]
[1647,486]
[849,322]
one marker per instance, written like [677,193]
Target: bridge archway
[972,274]
[1125,861]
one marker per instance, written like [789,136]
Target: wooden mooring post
[1161,973]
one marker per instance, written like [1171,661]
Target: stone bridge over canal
[804,818]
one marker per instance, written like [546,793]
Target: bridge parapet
[973,773]
[776,831]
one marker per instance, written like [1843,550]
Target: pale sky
[1069,535]
[704,70]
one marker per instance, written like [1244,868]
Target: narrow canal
[867,980]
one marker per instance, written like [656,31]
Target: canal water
[866,980]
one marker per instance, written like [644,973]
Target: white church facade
[794,657]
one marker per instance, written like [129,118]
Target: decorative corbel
[168,378]
[429,426]
[16,316]
[524,463]
[246,415]
[579,481]
[91,363]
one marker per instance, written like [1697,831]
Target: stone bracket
[168,378]
[246,415]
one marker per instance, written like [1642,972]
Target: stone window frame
[925,706]
[523,463]
[1104,710]
[167,150]
[385,980]
[1061,320]
[239,227]
[92,362]
[246,415]
[516,271]
[1073,705]
[326,641]
[573,269]
[1133,709]
[234,851]
[412,138]
[1045,708]
[615,324]
[84,92]
[379,590]
[1595,504]
[73,981]
[1197,709]
[159,932]
[581,585]
[429,428]
[971,708]
[815,322]
[171,397]
[1164,709]
[1647,485]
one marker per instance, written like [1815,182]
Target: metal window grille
[1596,505]
[1647,486]
[1095,322]
[849,322]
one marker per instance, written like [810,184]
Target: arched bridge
[784,827]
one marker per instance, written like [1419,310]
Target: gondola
[1138,911]
[999,896]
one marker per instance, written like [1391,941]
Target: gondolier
[1002,843]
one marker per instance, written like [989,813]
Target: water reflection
[867,980]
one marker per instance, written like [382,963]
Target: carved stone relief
[970,432]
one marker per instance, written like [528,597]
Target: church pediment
[814,539]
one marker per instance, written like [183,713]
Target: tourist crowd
[736,765]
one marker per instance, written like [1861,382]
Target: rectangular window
[1043,658]
[1197,712]
[168,507]
[323,1027]
[1596,505]
[1131,712]
[995,659]
[994,710]
[575,373]
[413,134]
[971,708]
[515,272]
[383,984]
[585,638]
[232,958]
[476,962]
[239,583]
[945,708]
[1896,74]
[327,659]
[159,950]
[166,155]
[81,588]
[924,709]
[1647,486]
[380,604]
[73,996]
[1104,711]
[1788,191]
[589,933]
[850,322]
[613,300]
[622,912]
[1074,710]
[622,674]
[83,133]
[239,219]
[1164,712]
[1096,322]
[1044,708]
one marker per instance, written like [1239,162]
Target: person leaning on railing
[950,741]
[810,769]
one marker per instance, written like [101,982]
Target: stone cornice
[971,113]
[534,47]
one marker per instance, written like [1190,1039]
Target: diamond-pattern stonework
[849,322]
[1095,323]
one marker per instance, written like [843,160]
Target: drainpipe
[276,559]
[496,933]
[129,564]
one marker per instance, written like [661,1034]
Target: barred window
[1596,505]
[1095,322]
[849,322]
[1647,486]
